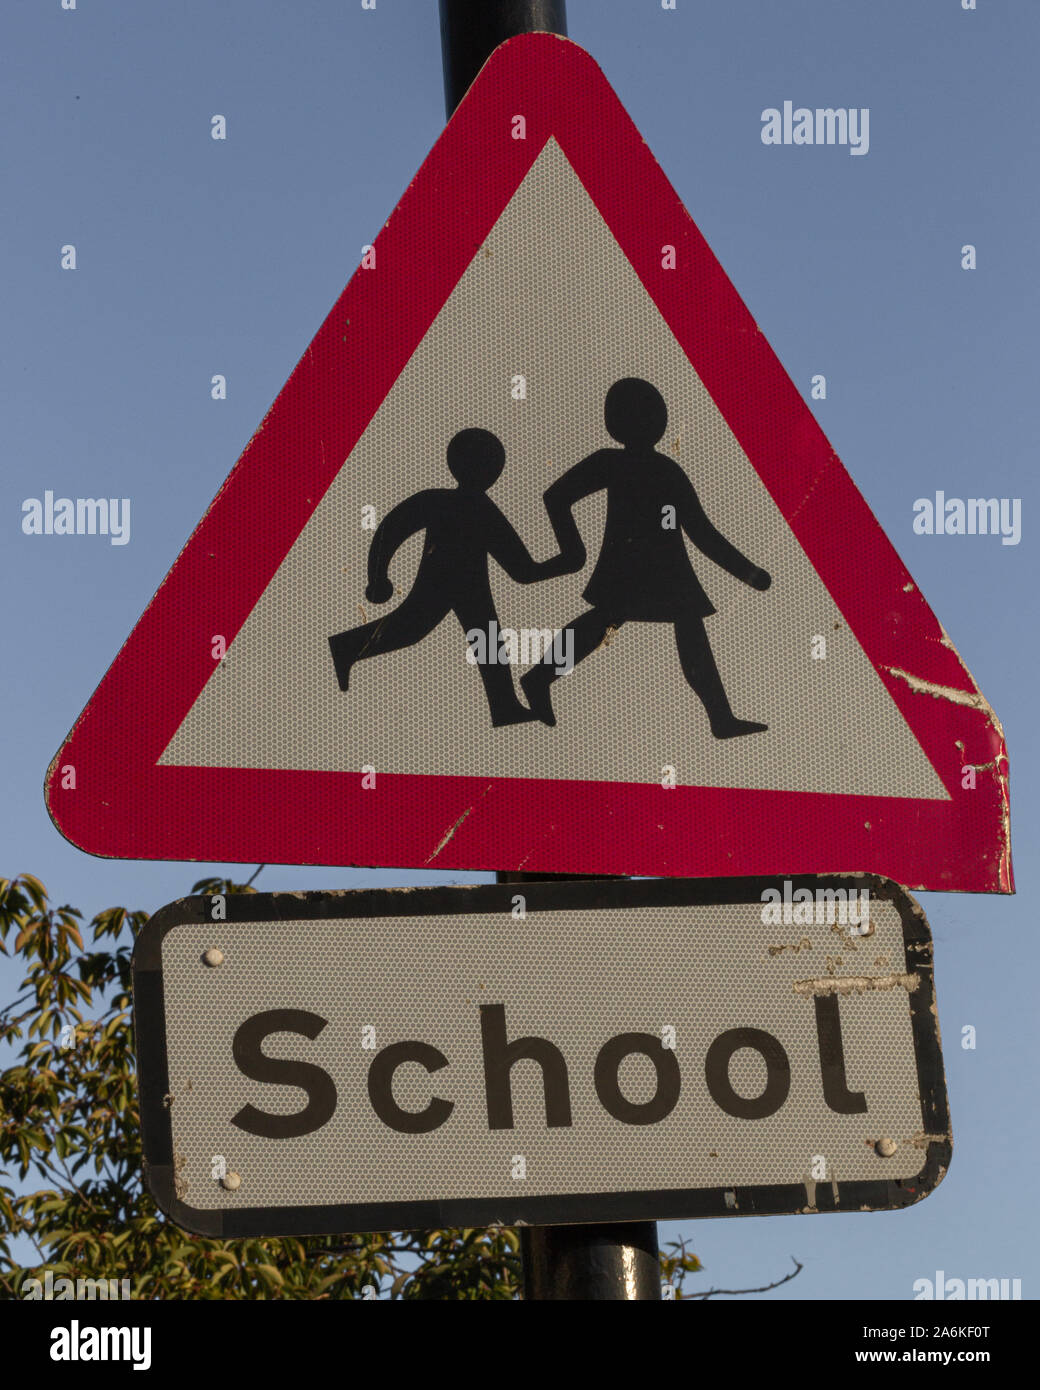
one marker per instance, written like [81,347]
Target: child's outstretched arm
[505,546]
[403,521]
[715,545]
[582,480]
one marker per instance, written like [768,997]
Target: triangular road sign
[540,411]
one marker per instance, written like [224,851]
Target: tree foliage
[69,1119]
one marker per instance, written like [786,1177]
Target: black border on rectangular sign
[570,1208]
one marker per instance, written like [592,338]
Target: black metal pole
[472,29]
[615,1261]
[620,1260]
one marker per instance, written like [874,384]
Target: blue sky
[197,257]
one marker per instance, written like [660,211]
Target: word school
[498,1054]
[824,126]
[79,516]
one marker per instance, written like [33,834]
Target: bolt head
[885,1148]
[231,1181]
[213,956]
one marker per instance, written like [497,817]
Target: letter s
[251,1062]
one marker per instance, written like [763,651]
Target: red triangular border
[124,805]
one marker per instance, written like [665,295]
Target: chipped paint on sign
[855,984]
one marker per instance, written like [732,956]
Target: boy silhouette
[643,573]
[464,528]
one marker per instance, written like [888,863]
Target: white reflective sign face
[275,702]
[538,1052]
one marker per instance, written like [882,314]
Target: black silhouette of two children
[643,573]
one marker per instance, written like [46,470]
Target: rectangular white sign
[538,1052]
